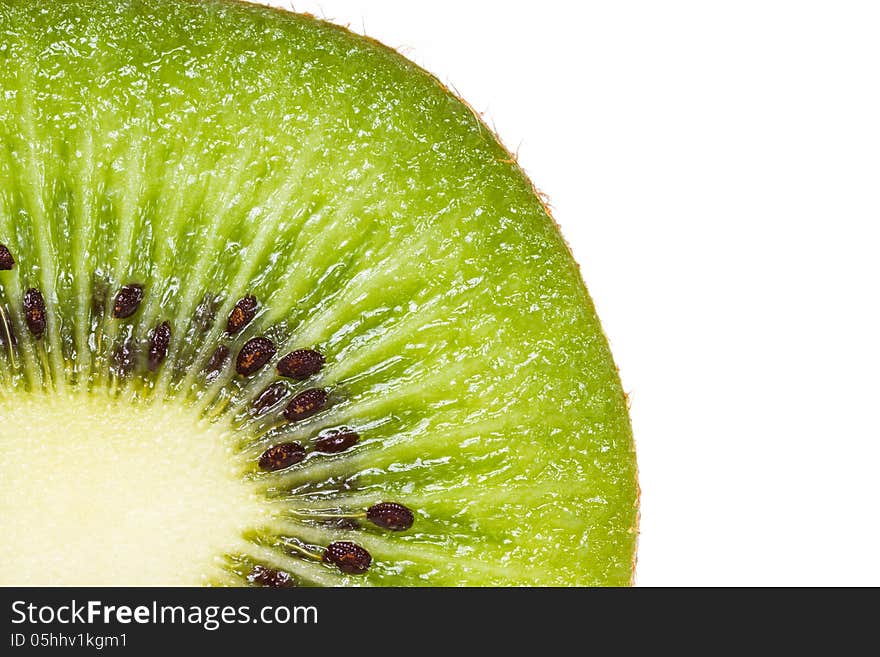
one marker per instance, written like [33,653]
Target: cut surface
[128,493]
[252,231]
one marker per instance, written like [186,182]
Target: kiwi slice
[277,309]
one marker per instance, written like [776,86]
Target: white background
[716,169]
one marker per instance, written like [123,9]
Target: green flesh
[217,148]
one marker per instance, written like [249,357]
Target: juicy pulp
[212,150]
[110,482]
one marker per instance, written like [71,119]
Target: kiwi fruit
[277,309]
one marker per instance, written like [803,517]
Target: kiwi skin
[525,367]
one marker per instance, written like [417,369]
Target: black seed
[349,557]
[336,440]
[206,312]
[391,515]
[34,312]
[128,300]
[282,456]
[270,578]
[301,364]
[242,315]
[123,358]
[269,397]
[217,362]
[100,290]
[159,341]
[7,262]
[306,404]
[255,353]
